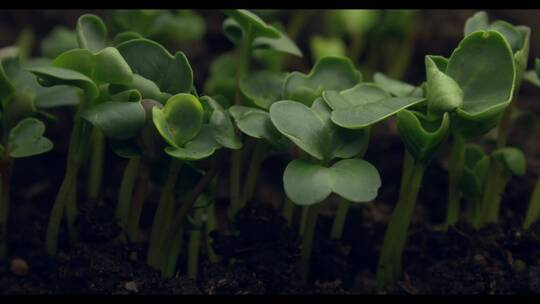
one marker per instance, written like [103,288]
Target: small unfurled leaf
[172,74]
[91,33]
[397,88]
[308,183]
[180,120]
[364,105]
[26,139]
[312,130]
[443,93]
[52,76]
[221,125]
[202,146]
[421,135]
[263,88]
[513,160]
[329,73]
[117,120]
[256,123]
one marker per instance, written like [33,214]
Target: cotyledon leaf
[263,88]
[202,146]
[26,139]
[255,123]
[308,183]
[117,120]
[91,33]
[51,76]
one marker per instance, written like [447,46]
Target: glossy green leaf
[91,33]
[329,73]
[256,123]
[513,160]
[147,88]
[26,139]
[51,76]
[105,66]
[180,120]
[397,88]
[59,40]
[172,74]
[364,105]
[221,125]
[307,183]
[125,36]
[263,88]
[117,120]
[312,130]
[58,96]
[248,21]
[202,146]
[421,135]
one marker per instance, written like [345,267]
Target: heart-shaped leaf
[329,73]
[91,33]
[117,120]
[513,160]
[180,120]
[397,88]
[172,74]
[256,123]
[312,130]
[421,135]
[307,183]
[221,125]
[263,88]
[26,139]
[364,105]
[105,66]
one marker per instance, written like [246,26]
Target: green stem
[234,180]
[339,220]
[288,211]
[493,190]
[211,226]
[96,165]
[455,168]
[259,151]
[408,163]
[168,270]
[71,215]
[307,241]
[5,186]
[137,201]
[533,212]
[389,269]
[126,191]
[163,214]
[194,245]
[303,221]
[66,196]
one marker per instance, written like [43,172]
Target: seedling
[465,90]
[22,133]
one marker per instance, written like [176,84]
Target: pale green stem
[339,220]
[164,212]
[533,212]
[126,192]
[96,165]
[195,245]
[303,221]
[307,241]
[259,151]
[389,269]
[174,248]
[455,168]
[211,226]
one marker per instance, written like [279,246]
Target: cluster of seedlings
[132,95]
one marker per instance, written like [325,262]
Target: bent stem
[533,212]
[389,269]
[137,201]
[126,191]
[96,165]
[455,168]
[307,241]
[5,185]
[194,244]
[163,214]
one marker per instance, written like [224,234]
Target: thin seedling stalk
[96,163]
[396,234]
[455,169]
[339,220]
[164,210]
[210,226]
[307,241]
[288,211]
[5,186]
[533,212]
[137,201]
[126,192]
[257,156]
[303,221]
[195,244]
